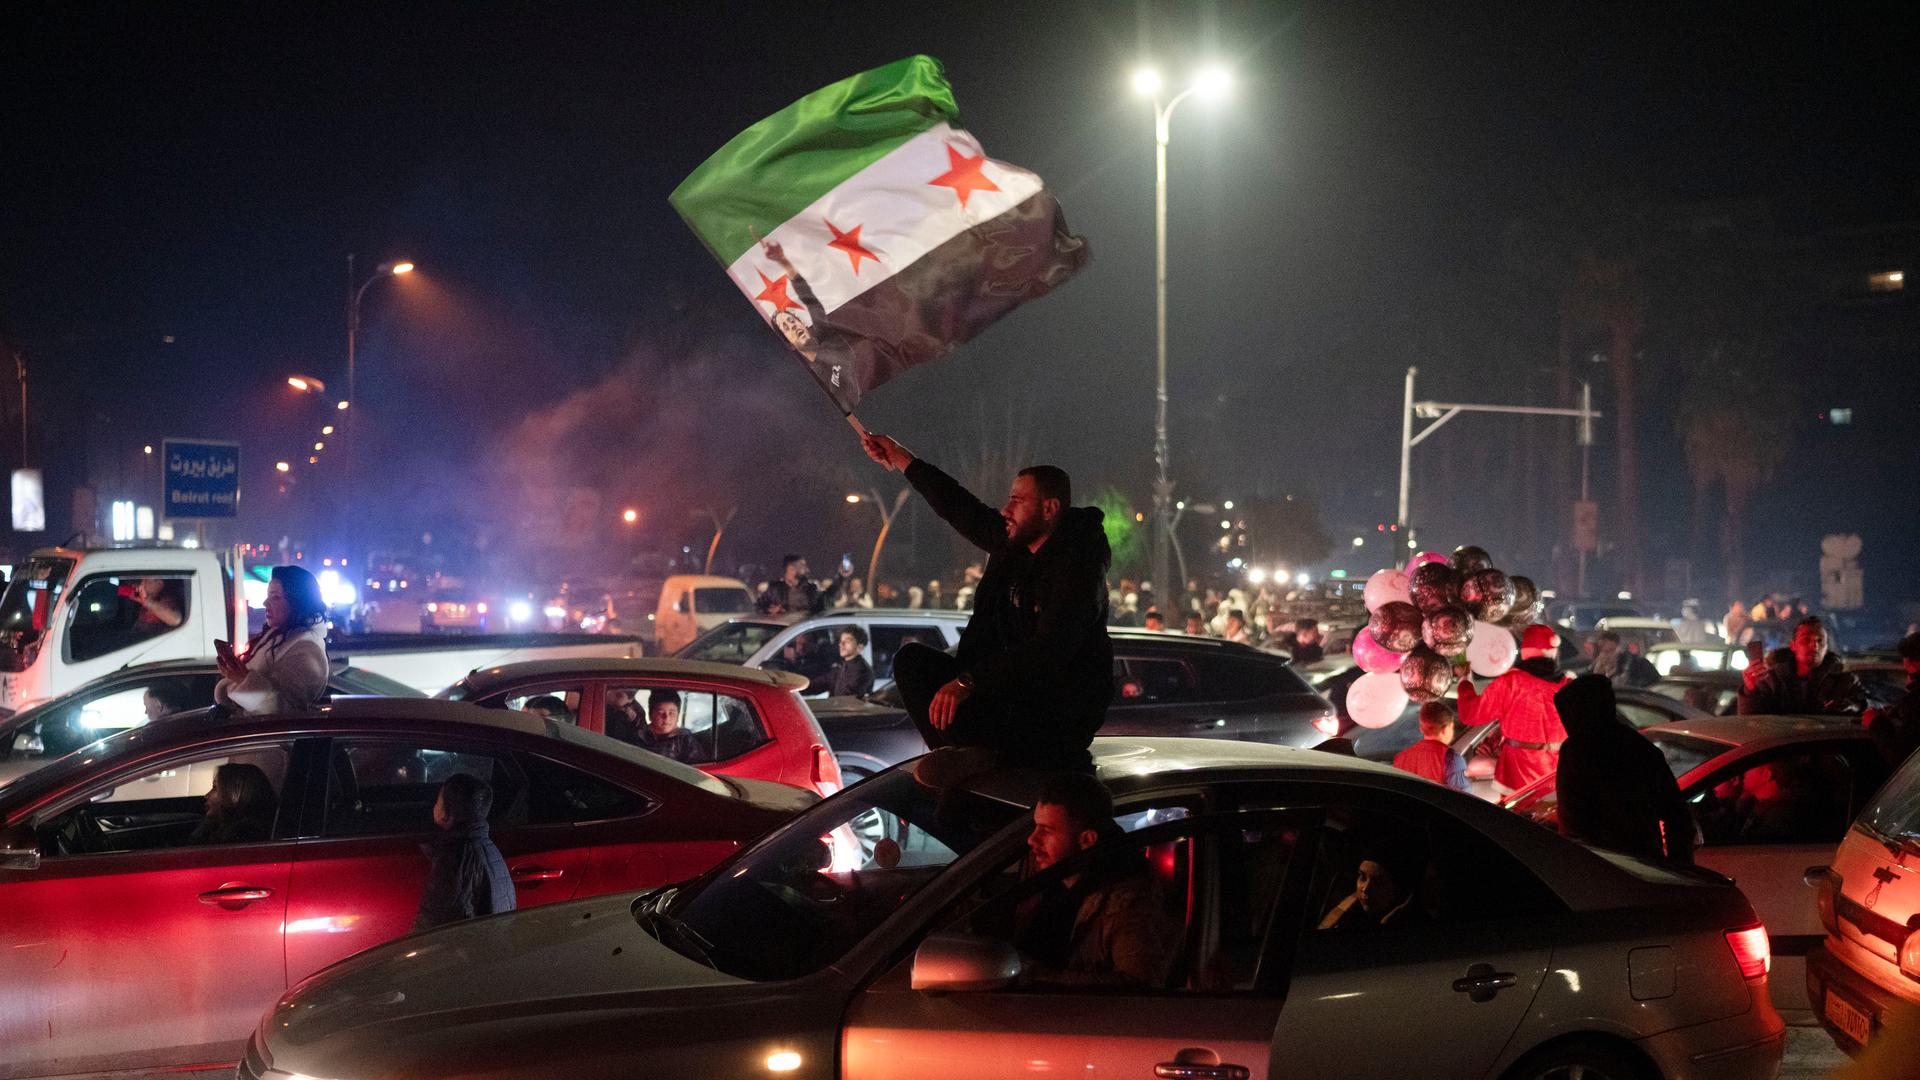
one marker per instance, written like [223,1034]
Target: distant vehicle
[71,616]
[1770,796]
[1638,630]
[1585,615]
[1868,900]
[1525,957]
[743,722]
[455,611]
[32,737]
[691,604]
[1163,685]
[133,945]
[1669,658]
[809,644]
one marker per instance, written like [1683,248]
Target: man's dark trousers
[920,670]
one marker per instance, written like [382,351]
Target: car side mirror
[963,962]
[19,847]
[27,742]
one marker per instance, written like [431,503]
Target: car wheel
[1578,1061]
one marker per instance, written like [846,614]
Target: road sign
[202,478]
[1586,525]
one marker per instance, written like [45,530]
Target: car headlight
[1910,950]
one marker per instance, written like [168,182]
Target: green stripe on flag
[779,166]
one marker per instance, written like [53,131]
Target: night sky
[203,173]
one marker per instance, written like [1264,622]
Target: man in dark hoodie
[1816,683]
[1614,787]
[1034,670]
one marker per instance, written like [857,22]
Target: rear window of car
[667,767]
[1222,678]
[1894,814]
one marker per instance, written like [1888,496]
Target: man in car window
[664,735]
[1816,683]
[1103,926]
[550,706]
[851,674]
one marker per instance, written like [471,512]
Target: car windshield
[1685,753]
[28,603]
[730,643]
[1894,814]
[804,896]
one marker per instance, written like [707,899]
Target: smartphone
[224,650]
[846,564]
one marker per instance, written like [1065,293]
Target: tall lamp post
[887,516]
[1210,82]
[348,405]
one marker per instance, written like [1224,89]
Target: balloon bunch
[1422,617]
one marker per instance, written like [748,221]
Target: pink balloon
[1376,700]
[1427,557]
[1385,587]
[1372,656]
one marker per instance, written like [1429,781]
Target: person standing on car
[1817,683]
[792,591]
[466,875]
[1522,701]
[1895,730]
[285,666]
[1033,672]
[1614,786]
[851,675]
[1434,756]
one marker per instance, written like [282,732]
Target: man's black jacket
[1037,640]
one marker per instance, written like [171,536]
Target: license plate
[1848,1018]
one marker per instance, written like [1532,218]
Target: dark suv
[1163,684]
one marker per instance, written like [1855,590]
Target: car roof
[483,681]
[707,581]
[1759,731]
[1126,764]
[1634,622]
[929,614]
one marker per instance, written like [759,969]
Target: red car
[128,942]
[736,721]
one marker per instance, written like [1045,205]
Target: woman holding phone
[285,667]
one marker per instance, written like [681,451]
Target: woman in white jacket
[285,667]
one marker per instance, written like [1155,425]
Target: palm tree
[1729,435]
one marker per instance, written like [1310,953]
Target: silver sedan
[898,931]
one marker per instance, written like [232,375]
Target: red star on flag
[849,242]
[775,293]
[964,176]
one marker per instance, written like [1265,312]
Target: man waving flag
[871,232]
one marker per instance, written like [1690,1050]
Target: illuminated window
[1887,281]
[1839,416]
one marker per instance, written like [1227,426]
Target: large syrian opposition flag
[900,238]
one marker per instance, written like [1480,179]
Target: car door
[137,943]
[358,882]
[1766,818]
[1453,973]
[1222,881]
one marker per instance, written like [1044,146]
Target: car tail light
[1826,887]
[1327,725]
[1751,950]
[826,772]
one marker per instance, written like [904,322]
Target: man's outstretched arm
[981,524]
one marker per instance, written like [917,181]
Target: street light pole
[887,517]
[351,406]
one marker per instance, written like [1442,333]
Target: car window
[558,702]
[721,601]
[1795,796]
[114,612]
[730,643]
[1893,815]
[1181,905]
[385,787]
[888,639]
[1642,716]
[798,900]
[1142,681]
[169,807]
[29,600]
[694,727]
[811,652]
[1240,678]
[1413,867]
[561,793]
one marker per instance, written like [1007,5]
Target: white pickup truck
[69,616]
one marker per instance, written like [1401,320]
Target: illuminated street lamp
[281,466]
[887,517]
[630,516]
[306,384]
[1210,82]
[354,295]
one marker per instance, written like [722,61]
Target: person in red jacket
[1433,756]
[1522,701]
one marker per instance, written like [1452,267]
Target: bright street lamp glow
[403,268]
[319,446]
[784,1061]
[630,515]
[1359,541]
[282,466]
[327,430]
[297,382]
[147,449]
[853,498]
[1257,576]
[1212,81]
[342,406]
[1146,82]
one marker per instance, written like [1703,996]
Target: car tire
[1580,1061]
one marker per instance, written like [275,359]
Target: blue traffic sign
[202,478]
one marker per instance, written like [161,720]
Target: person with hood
[1895,730]
[1816,683]
[1033,672]
[1614,787]
[1522,701]
[466,875]
[285,666]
